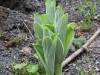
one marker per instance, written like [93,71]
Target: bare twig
[84,47]
[26,27]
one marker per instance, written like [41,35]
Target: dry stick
[26,26]
[84,47]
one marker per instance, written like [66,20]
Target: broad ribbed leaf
[49,47]
[60,27]
[38,30]
[45,19]
[47,32]
[59,52]
[59,57]
[38,41]
[50,9]
[59,13]
[69,37]
[37,19]
[51,27]
[55,36]
[39,50]
[36,56]
[49,54]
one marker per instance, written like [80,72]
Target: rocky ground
[16,23]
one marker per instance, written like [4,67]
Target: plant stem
[58,70]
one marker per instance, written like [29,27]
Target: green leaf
[32,68]
[55,36]
[37,73]
[49,46]
[38,30]
[60,27]
[36,55]
[59,52]
[46,32]
[45,19]
[50,9]
[81,71]
[39,50]
[20,66]
[59,13]
[51,27]
[69,37]
[37,19]
[38,41]
[47,43]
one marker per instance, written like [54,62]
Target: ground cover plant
[83,72]
[77,43]
[88,10]
[53,38]
[26,68]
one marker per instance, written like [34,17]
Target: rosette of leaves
[26,69]
[77,43]
[53,38]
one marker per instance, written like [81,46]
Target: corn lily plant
[53,38]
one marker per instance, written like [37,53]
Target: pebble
[74,64]
[26,50]
[97,69]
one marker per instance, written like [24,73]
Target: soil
[16,22]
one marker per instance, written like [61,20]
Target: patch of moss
[77,43]
[3,33]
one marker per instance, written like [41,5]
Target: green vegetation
[86,58]
[86,22]
[53,38]
[88,12]
[77,43]
[3,33]
[26,69]
[14,41]
[83,72]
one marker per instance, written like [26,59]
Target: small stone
[26,50]
[97,69]
[74,64]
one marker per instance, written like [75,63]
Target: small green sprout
[88,14]
[84,72]
[3,33]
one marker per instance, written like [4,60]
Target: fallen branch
[84,47]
